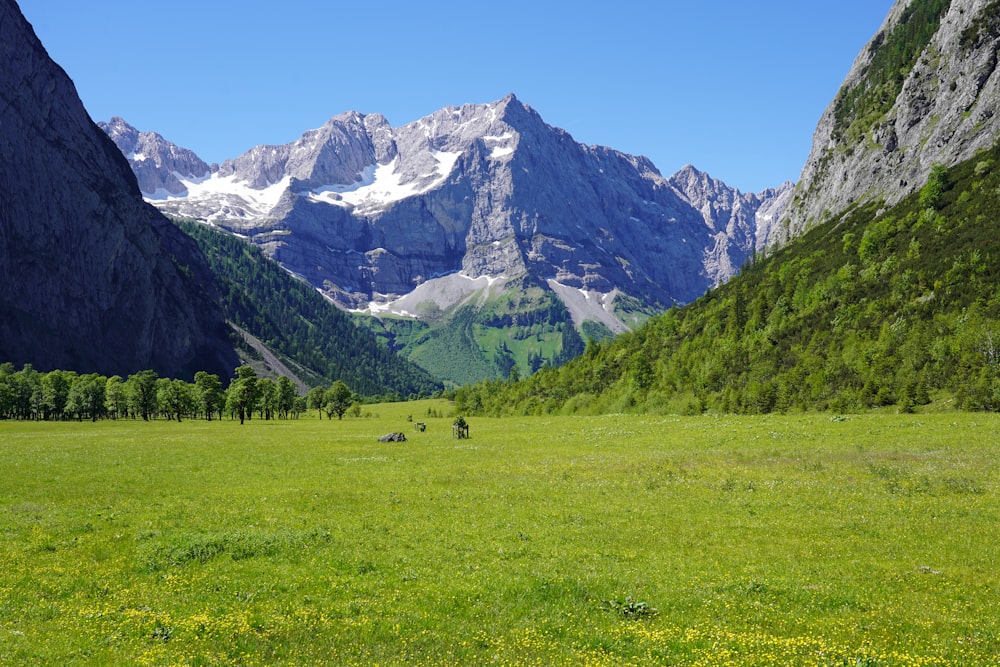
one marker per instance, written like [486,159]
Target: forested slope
[294,320]
[874,307]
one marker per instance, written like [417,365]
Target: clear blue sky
[733,87]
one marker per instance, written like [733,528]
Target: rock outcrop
[740,223]
[924,91]
[94,279]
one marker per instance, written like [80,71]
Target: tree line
[29,394]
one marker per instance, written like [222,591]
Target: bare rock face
[94,279]
[740,223]
[944,111]
[369,213]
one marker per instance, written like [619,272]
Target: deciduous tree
[338,398]
[142,393]
[242,394]
[208,393]
[286,396]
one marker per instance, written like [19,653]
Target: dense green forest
[876,307]
[295,321]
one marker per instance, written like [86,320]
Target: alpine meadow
[468,391]
[608,540]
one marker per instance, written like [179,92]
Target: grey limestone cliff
[740,223]
[94,279]
[945,94]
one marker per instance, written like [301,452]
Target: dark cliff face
[94,279]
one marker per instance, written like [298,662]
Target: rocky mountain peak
[124,135]
[699,185]
[736,220]
[371,213]
[159,165]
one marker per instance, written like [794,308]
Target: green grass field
[806,540]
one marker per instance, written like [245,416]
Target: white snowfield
[589,305]
[381,185]
[437,294]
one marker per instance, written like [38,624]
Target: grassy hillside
[892,307]
[519,331]
[536,542]
[297,323]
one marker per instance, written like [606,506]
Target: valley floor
[806,540]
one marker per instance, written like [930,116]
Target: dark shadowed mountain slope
[94,279]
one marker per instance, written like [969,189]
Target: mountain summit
[474,194]
[158,164]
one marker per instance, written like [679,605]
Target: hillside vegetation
[518,331]
[296,322]
[892,307]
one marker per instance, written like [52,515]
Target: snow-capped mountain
[467,197]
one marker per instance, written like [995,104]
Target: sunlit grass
[759,541]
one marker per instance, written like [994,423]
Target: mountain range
[481,242]
[457,209]
[368,213]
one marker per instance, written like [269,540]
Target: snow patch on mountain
[228,190]
[383,185]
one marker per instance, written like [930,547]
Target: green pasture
[805,540]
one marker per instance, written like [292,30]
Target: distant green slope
[520,330]
[294,320]
[873,308]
